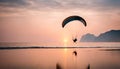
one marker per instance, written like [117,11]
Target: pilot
[74,40]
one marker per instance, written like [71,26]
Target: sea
[90,55]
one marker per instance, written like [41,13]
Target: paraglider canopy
[72,18]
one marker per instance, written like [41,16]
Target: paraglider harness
[74,40]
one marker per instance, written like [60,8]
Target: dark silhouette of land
[58,66]
[88,67]
[44,47]
[37,47]
[110,50]
[109,36]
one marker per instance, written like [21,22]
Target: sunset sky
[40,20]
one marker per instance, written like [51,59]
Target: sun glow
[65,44]
[65,40]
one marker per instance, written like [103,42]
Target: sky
[40,20]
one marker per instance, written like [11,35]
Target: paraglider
[72,18]
[67,21]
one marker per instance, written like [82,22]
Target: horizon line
[43,47]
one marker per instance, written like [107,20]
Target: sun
[65,43]
[65,40]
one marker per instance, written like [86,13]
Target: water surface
[98,58]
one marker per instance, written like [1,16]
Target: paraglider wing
[72,18]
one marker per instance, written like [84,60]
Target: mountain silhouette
[109,36]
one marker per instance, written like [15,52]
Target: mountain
[109,36]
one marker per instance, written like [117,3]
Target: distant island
[109,36]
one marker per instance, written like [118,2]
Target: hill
[109,36]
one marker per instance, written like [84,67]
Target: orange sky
[40,21]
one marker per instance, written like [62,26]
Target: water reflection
[87,58]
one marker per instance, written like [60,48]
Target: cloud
[47,3]
[12,6]
[39,5]
[13,3]
[93,4]
[107,4]
[112,3]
